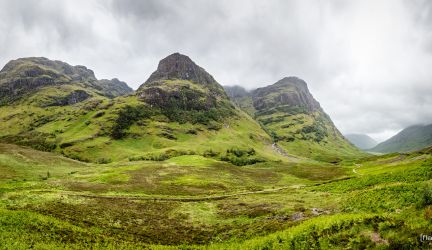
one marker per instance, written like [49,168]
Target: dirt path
[355,169]
[282,152]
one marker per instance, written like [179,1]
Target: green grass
[320,205]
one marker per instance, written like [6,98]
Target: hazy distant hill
[412,138]
[361,141]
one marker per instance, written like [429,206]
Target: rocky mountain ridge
[24,76]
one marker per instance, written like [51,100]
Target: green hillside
[409,139]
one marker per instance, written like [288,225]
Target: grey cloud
[367,62]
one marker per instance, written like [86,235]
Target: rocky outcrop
[289,91]
[73,98]
[183,97]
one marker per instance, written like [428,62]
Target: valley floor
[191,202]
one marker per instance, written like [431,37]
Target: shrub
[210,153]
[66,144]
[36,140]
[103,160]
[170,153]
[241,157]
[126,117]
[427,196]
[99,114]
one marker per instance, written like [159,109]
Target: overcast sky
[369,63]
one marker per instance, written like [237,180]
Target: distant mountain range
[410,139]
[361,141]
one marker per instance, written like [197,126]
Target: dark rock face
[290,91]
[26,75]
[71,99]
[181,97]
[115,87]
[178,83]
[178,66]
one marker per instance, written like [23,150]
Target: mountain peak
[179,84]
[289,91]
[178,66]
[291,80]
[30,66]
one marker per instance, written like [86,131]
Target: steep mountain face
[25,76]
[287,92]
[185,91]
[361,141]
[296,121]
[410,139]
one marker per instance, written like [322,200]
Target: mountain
[180,110]
[410,139]
[23,77]
[295,120]
[361,141]
[184,91]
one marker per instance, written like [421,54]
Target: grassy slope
[410,139]
[289,131]
[385,203]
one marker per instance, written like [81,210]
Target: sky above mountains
[369,63]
